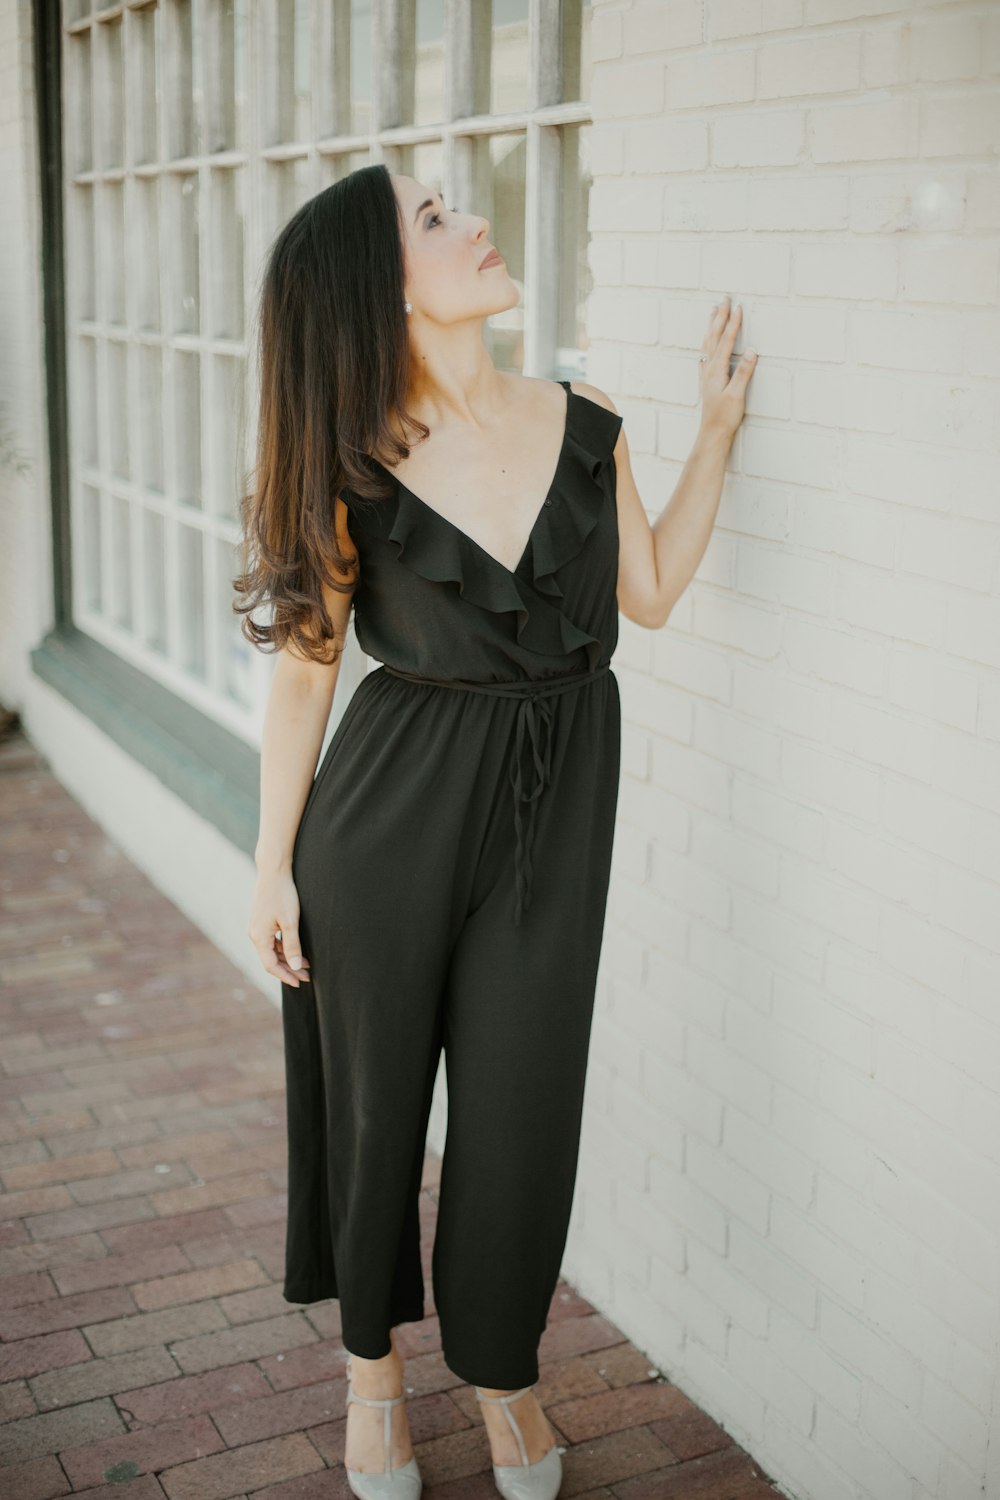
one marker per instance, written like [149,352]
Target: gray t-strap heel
[403,1483]
[524,1481]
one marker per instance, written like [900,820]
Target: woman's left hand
[722,396]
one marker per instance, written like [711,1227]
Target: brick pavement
[145,1346]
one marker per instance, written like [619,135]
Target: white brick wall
[789,1191]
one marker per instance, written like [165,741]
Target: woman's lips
[492,260]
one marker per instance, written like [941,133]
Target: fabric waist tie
[534,713]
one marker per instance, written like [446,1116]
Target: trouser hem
[492,1374]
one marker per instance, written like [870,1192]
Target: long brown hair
[333,365]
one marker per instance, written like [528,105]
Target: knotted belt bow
[534,714]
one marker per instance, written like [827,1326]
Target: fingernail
[296,962]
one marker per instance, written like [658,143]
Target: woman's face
[444,279]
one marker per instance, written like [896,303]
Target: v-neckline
[447,521]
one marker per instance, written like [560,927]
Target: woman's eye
[433,217]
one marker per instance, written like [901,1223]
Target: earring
[407,307]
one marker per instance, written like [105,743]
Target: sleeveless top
[432,602]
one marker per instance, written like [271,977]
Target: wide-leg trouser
[404,870]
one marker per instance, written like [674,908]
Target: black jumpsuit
[452,865]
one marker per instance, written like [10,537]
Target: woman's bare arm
[295,720]
[657,562]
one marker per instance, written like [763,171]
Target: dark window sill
[207,766]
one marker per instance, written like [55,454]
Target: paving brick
[146,1487]
[193,1286]
[264,1301]
[28,1254]
[16,1400]
[93,1137]
[41,1479]
[142,1329]
[214,1249]
[612,1460]
[29,1287]
[17,1153]
[204,1195]
[178,1147]
[121,1184]
[120,1270]
[237,1344]
[65,1170]
[237,1160]
[308,1363]
[730,1475]
[621,1364]
[144,1451]
[165,1231]
[78,1220]
[456,1455]
[687,1430]
[53,1431]
[319,1486]
[578,1336]
[161,1105]
[32,1356]
[65,1312]
[275,1414]
[247,1468]
[611,1411]
[270,1209]
[326,1319]
[189,1394]
[52,1124]
[37,1200]
[102,1377]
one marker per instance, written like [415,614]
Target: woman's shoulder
[595,394]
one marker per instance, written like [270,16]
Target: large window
[193,130]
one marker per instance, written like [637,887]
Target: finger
[290,946]
[284,973]
[286,968]
[271,964]
[732,328]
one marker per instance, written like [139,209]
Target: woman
[442,882]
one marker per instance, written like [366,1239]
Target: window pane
[154,582]
[80,110]
[143,144]
[361,67]
[504,332]
[577,66]
[509,57]
[286,36]
[121,562]
[428,91]
[190,602]
[575,279]
[109,97]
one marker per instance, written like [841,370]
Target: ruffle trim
[440,552]
[564,526]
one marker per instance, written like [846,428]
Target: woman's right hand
[274,927]
[723,395]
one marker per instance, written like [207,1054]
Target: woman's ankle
[376,1378]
